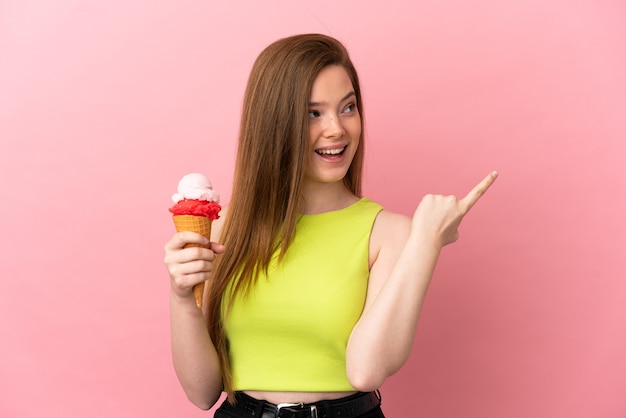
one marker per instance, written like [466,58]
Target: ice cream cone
[201,225]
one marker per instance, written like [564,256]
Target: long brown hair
[272,155]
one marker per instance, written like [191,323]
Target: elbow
[368,376]
[203,406]
[367,369]
[202,402]
[365,379]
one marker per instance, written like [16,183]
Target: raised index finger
[477,192]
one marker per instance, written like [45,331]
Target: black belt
[349,407]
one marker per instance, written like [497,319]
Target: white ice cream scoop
[195,186]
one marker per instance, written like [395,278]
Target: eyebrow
[347,96]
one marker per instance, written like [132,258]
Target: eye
[314,114]
[350,108]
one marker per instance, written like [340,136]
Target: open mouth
[331,152]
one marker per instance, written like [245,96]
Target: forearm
[194,356]
[381,341]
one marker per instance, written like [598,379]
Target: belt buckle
[313,408]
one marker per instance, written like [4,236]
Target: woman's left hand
[438,217]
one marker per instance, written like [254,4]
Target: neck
[323,197]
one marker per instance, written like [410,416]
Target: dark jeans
[233,413]
[227,410]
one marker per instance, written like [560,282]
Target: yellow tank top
[290,333]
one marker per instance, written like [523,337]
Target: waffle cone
[201,225]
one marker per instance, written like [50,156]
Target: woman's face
[334,126]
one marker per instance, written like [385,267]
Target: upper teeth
[330,151]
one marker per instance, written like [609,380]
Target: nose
[333,127]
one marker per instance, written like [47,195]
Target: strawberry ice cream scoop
[195,196]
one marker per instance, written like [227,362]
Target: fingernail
[494,174]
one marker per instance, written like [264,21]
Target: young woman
[315,291]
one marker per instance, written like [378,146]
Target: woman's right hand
[189,266]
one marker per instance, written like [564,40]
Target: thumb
[217,248]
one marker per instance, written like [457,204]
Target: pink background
[104,105]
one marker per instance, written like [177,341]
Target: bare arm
[406,254]
[194,356]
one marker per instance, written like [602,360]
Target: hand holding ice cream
[196,206]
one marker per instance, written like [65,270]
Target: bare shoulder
[391,224]
[393,219]
[389,234]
